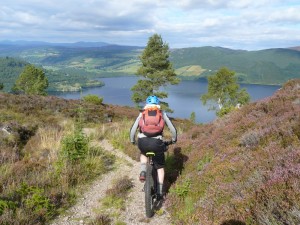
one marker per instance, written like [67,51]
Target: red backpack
[152,122]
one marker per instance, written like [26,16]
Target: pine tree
[32,81]
[156,71]
[225,92]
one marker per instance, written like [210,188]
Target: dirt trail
[134,213]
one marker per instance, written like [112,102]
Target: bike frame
[150,185]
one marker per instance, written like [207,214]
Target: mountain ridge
[100,44]
[268,66]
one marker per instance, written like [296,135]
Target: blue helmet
[152,100]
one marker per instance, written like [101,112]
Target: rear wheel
[149,192]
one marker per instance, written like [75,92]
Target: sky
[235,24]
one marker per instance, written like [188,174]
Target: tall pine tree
[156,71]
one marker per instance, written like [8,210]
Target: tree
[32,80]
[156,71]
[224,90]
[1,86]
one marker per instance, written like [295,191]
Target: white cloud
[181,23]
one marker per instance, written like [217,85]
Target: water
[184,98]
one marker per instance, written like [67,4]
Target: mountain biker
[154,144]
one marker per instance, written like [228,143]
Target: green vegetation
[46,156]
[94,99]
[193,117]
[75,146]
[156,71]
[224,90]
[31,81]
[242,168]
[10,69]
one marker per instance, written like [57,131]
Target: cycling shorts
[155,145]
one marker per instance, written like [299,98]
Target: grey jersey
[168,122]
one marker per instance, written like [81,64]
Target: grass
[192,70]
[38,181]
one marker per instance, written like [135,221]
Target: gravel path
[134,213]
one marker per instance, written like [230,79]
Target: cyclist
[154,143]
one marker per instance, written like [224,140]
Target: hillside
[45,158]
[86,58]
[241,169]
[73,80]
[244,168]
[270,66]
[10,69]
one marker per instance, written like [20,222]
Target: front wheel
[149,192]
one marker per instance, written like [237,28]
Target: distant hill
[42,43]
[270,66]
[296,48]
[11,68]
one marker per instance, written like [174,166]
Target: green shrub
[94,99]
[183,189]
[225,110]
[75,146]
[203,162]
[30,201]
[193,117]
[6,204]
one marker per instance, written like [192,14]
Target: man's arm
[134,128]
[171,127]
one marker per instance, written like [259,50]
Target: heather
[243,168]
[47,154]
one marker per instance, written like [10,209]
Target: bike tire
[149,189]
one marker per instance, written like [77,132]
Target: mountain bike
[151,183]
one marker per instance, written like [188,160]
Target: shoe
[142,176]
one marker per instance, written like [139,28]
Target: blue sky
[242,24]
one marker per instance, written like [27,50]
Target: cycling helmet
[152,100]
